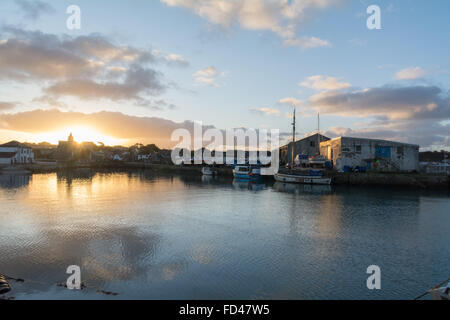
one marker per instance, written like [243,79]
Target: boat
[439,292]
[206,171]
[298,177]
[247,172]
[317,160]
[442,293]
[313,176]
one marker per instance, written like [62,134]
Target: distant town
[344,154]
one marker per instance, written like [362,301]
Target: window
[400,151]
[312,143]
[358,149]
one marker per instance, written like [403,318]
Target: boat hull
[246,176]
[291,178]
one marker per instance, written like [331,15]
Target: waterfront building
[442,168]
[348,153]
[308,146]
[15,152]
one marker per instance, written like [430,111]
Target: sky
[138,69]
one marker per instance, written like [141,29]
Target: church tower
[70,139]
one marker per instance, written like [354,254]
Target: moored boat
[207,171]
[294,177]
[247,172]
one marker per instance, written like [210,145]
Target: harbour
[136,233]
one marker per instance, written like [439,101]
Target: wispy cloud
[267,111]
[33,9]
[410,73]
[321,82]
[281,17]
[207,76]
[291,101]
[172,59]
[4,105]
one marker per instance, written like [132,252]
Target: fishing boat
[311,176]
[301,177]
[207,171]
[247,172]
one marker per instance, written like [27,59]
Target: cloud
[89,67]
[291,101]
[137,81]
[7,105]
[207,76]
[176,59]
[321,82]
[386,103]
[429,135]
[281,17]
[411,73]
[415,114]
[144,129]
[38,55]
[172,59]
[34,9]
[307,42]
[267,111]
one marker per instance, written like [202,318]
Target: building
[348,153]
[15,152]
[441,168]
[307,146]
[66,149]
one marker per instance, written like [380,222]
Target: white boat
[442,293]
[208,172]
[301,178]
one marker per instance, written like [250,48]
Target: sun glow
[80,134]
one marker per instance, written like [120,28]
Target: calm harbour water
[148,236]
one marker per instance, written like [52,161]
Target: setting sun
[80,134]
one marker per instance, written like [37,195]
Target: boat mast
[318,133]
[293,138]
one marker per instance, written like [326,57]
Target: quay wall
[415,180]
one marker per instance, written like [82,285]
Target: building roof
[376,140]
[14,144]
[308,137]
[7,155]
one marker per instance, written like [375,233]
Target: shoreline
[414,180]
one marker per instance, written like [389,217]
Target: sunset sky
[139,69]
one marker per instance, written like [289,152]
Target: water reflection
[147,235]
[301,188]
[248,185]
[13,181]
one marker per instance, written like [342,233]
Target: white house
[436,167]
[15,153]
[143,157]
[348,153]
